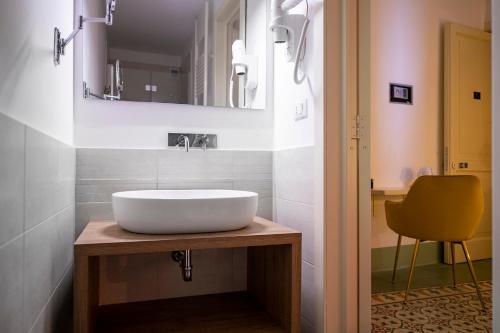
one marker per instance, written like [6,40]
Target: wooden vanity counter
[271,302]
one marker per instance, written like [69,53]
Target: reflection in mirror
[199,52]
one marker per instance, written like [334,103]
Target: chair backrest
[443,208]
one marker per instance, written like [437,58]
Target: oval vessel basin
[183,211]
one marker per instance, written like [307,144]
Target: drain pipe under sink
[184,260]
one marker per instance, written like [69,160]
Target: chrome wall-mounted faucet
[191,140]
[183,140]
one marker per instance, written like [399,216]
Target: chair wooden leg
[396,259]
[452,250]
[412,268]
[473,274]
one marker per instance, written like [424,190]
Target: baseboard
[429,253]
[479,248]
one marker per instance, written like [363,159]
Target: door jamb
[346,240]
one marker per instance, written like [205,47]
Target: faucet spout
[183,140]
[186,143]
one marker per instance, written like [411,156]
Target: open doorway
[430,114]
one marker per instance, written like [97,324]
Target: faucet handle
[181,140]
[201,140]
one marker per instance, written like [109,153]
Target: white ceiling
[161,26]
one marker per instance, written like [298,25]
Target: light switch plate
[301,111]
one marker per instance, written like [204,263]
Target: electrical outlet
[301,111]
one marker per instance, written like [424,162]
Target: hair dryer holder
[293,24]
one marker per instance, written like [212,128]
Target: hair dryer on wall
[290,29]
[243,65]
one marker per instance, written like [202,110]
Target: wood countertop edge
[281,235]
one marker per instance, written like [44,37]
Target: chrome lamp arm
[61,43]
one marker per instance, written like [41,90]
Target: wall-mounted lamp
[61,43]
[290,29]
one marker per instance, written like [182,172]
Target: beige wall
[407,47]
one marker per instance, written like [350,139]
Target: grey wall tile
[263,187]
[265,190]
[293,174]
[48,253]
[56,316]
[86,212]
[41,175]
[253,165]
[265,208]
[102,192]
[190,184]
[65,181]
[37,270]
[37,175]
[294,207]
[104,165]
[12,142]
[308,297]
[11,290]
[62,239]
[197,164]
[300,217]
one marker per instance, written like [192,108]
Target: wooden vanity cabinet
[270,304]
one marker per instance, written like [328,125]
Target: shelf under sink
[229,312]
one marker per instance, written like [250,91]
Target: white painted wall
[140,125]
[95,57]
[33,90]
[298,168]
[496,165]
[145,125]
[407,47]
[288,132]
[144,57]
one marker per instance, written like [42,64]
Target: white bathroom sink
[183,211]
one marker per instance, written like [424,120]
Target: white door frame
[364,165]
[496,161]
[346,246]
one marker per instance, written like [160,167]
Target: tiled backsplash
[37,215]
[294,205]
[100,172]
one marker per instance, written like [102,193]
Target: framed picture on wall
[401,93]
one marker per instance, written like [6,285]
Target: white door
[467,119]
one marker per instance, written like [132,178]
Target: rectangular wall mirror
[198,52]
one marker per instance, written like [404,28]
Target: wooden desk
[389,192]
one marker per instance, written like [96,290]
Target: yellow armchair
[438,208]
